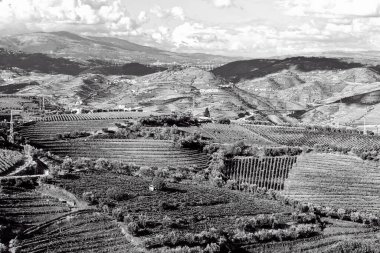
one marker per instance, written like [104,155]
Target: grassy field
[335,180]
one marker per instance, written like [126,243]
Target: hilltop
[82,48]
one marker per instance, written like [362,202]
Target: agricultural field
[139,151]
[10,102]
[300,136]
[85,231]
[29,207]
[339,181]
[96,116]
[226,133]
[48,130]
[268,172]
[9,159]
[190,199]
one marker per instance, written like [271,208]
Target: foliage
[158,183]
[352,246]
[170,120]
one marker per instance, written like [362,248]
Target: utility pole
[11,131]
[364,128]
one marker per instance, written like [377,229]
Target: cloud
[222,3]
[75,14]
[332,8]
[175,12]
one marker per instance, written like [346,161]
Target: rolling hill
[83,48]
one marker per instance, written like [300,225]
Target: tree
[206,113]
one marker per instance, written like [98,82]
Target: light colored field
[335,180]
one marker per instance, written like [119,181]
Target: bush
[231,184]
[351,246]
[117,213]
[158,183]
[133,228]
[145,172]
[115,194]
[89,197]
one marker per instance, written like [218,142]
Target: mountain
[83,48]
[250,69]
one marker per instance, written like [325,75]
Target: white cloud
[332,8]
[142,17]
[222,3]
[71,14]
[176,12]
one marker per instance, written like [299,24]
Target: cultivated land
[335,180]
[268,169]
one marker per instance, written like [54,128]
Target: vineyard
[335,180]
[138,151]
[77,232]
[49,130]
[268,172]
[8,159]
[299,136]
[96,116]
[186,200]
[225,133]
[30,208]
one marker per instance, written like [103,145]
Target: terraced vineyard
[96,116]
[268,172]
[195,199]
[140,152]
[8,159]
[335,180]
[30,208]
[78,232]
[299,136]
[225,133]
[49,130]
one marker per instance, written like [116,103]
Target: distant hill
[250,69]
[50,65]
[76,47]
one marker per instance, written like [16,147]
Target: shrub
[145,172]
[166,221]
[115,194]
[231,184]
[158,183]
[89,197]
[117,213]
[133,228]
[351,246]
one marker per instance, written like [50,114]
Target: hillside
[250,69]
[82,48]
[335,180]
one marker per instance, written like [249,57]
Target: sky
[247,28]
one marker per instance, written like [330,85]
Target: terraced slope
[224,133]
[335,180]
[8,159]
[30,208]
[299,136]
[80,232]
[49,130]
[96,116]
[268,172]
[140,152]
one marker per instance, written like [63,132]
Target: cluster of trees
[72,135]
[69,165]
[181,120]
[211,240]
[372,154]
[193,141]
[282,151]
[267,235]
[324,211]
